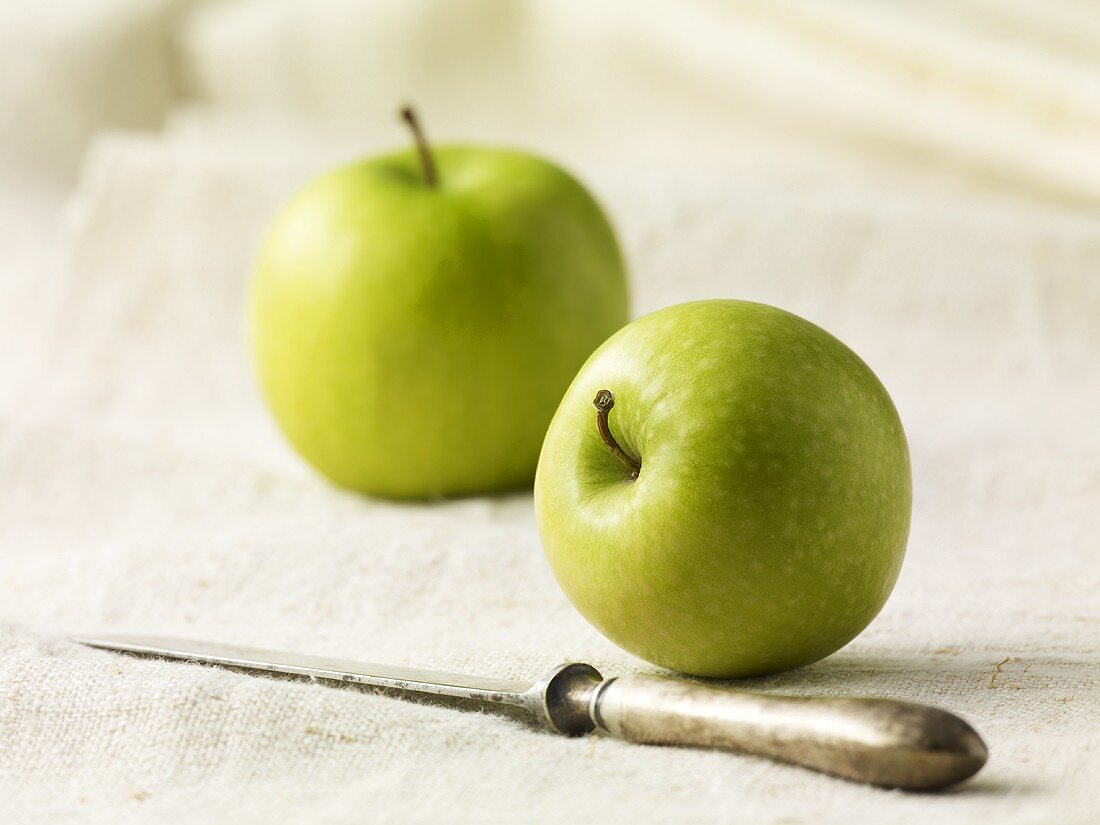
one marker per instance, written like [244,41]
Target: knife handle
[878,741]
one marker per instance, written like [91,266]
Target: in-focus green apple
[769,514]
[416,317]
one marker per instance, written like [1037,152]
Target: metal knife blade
[438,683]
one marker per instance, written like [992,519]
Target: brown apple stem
[603,402]
[427,163]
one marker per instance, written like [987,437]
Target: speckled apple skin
[414,342]
[768,523]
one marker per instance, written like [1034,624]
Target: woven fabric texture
[145,489]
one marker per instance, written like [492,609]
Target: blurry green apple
[417,317]
[746,508]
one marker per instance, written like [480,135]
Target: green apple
[745,509]
[416,317]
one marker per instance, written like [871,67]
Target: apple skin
[768,522]
[413,342]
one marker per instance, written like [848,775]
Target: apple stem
[603,402]
[427,163]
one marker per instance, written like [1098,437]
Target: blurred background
[736,122]
[999,98]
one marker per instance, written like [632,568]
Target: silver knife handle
[879,741]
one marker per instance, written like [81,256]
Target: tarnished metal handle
[879,741]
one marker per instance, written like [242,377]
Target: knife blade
[884,742]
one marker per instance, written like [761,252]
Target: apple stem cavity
[427,163]
[603,402]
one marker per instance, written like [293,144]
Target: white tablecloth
[144,489]
[921,181]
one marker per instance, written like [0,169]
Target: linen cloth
[145,490]
[755,150]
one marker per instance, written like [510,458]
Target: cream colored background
[924,182]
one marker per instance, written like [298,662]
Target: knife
[883,742]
